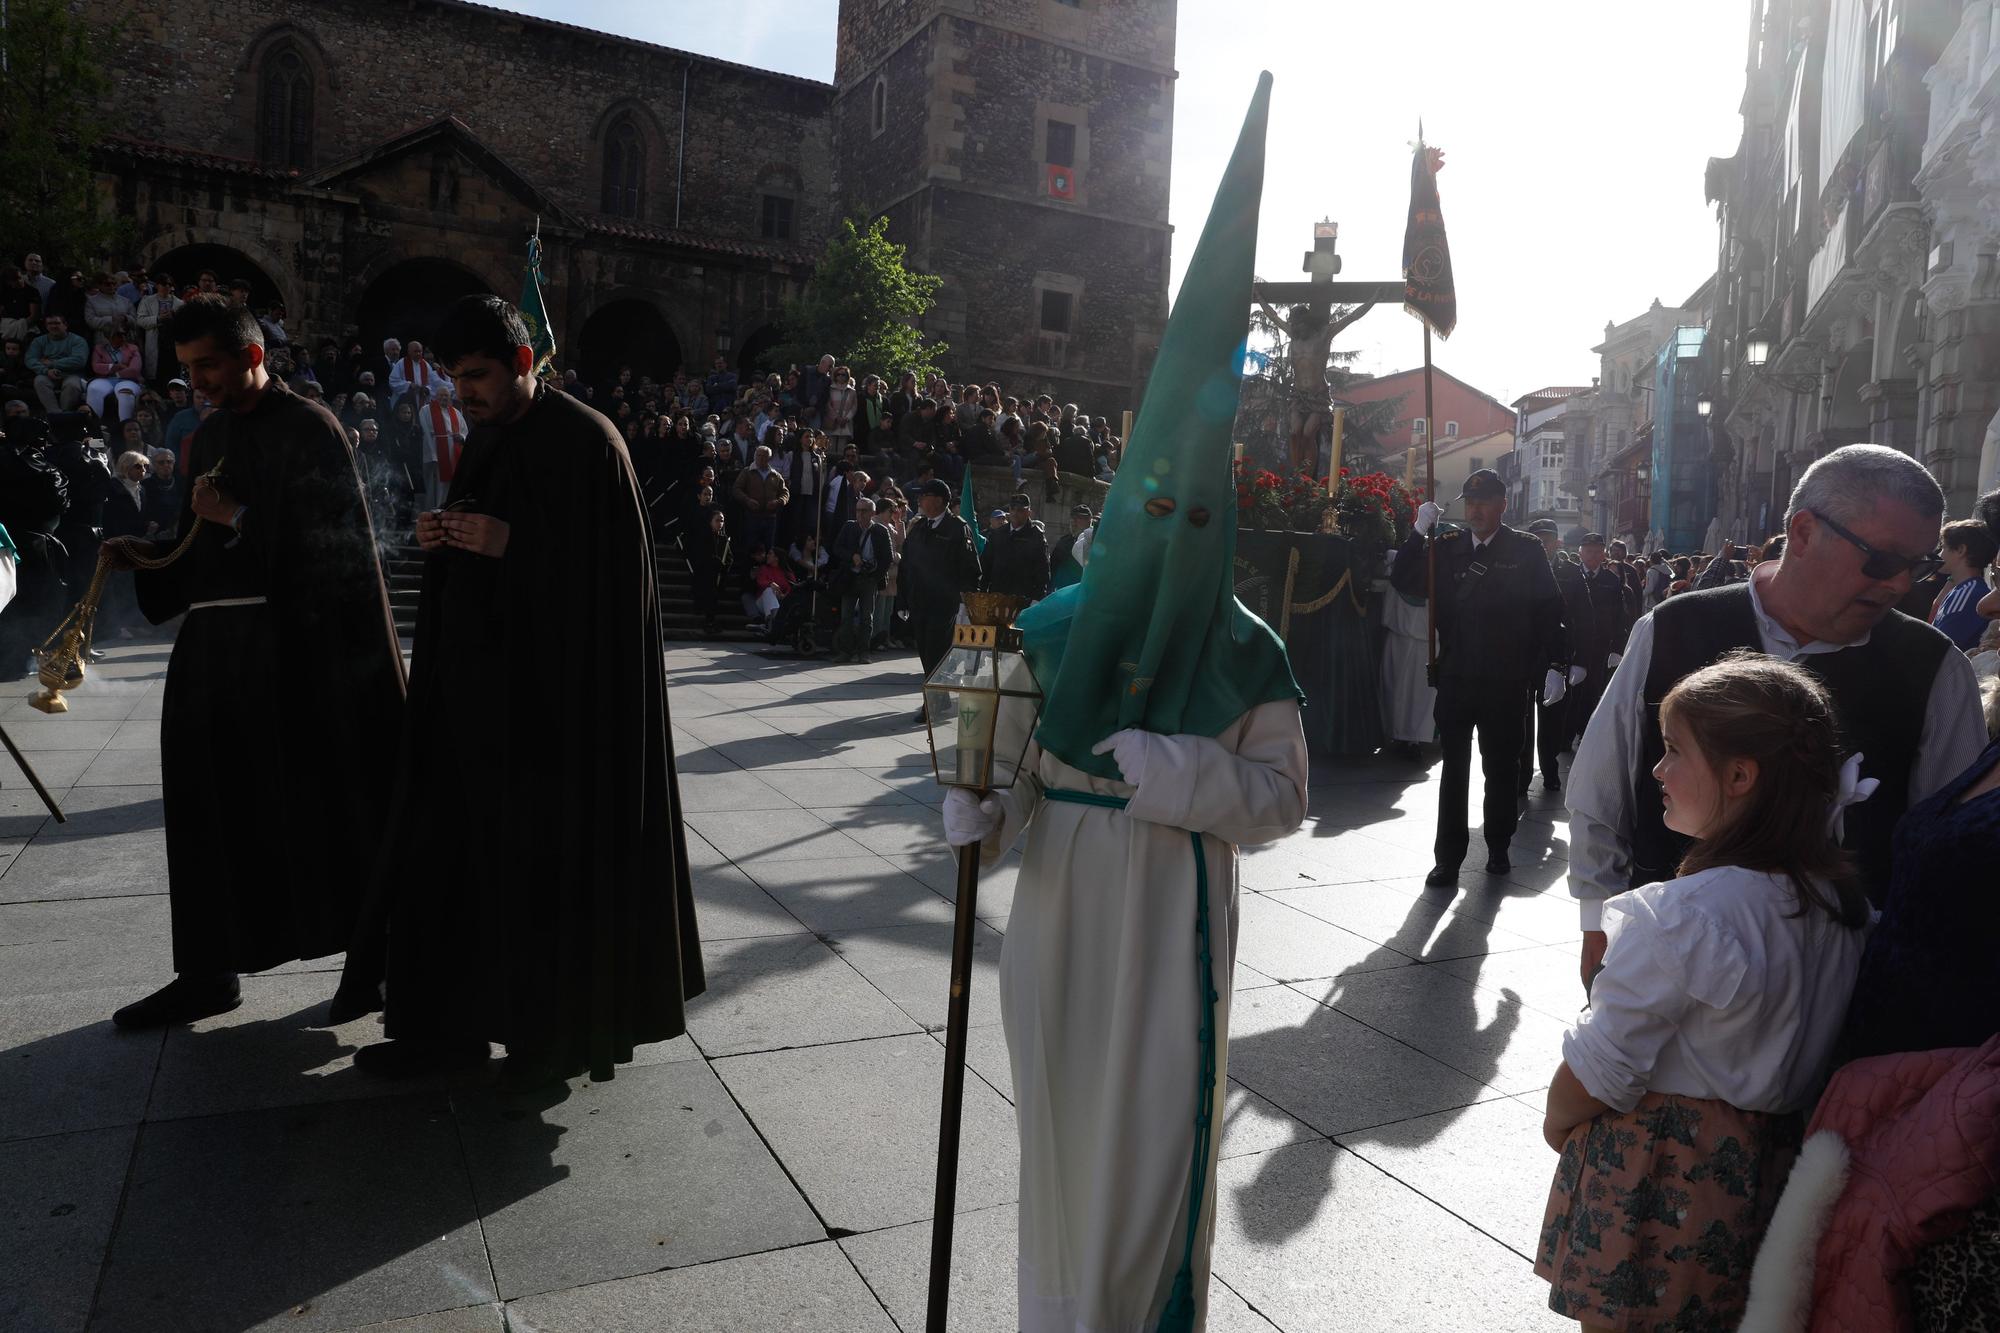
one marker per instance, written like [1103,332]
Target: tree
[52,91]
[1263,419]
[858,307]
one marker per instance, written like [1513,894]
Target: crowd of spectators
[751,478]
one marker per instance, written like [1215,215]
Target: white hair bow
[1854,789]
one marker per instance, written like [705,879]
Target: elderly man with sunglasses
[1862,526]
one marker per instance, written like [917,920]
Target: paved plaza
[771,1171]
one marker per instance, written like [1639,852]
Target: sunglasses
[1887,564]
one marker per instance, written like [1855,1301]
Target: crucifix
[1310,324]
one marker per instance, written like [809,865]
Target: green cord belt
[1178,1316]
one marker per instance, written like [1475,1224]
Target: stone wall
[539,94]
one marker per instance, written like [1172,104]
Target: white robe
[1408,700]
[1097,990]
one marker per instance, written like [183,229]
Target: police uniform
[1500,631]
[1600,617]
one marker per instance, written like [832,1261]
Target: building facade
[1020,149]
[1544,435]
[1856,297]
[364,162]
[1464,412]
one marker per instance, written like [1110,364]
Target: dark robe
[536,892]
[279,718]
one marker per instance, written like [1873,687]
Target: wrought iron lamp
[981,705]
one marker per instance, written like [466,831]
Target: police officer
[1600,618]
[1552,736]
[939,564]
[1500,629]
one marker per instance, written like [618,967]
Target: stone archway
[407,300]
[629,331]
[185,264]
[750,358]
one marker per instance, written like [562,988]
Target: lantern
[981,705]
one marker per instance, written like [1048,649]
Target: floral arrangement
[1371,507]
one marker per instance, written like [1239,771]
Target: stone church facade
[364,162]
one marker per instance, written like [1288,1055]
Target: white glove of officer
[1612,661]
[1553,689]
[969,818]
[1130,749]
[1576,675]
[1428,515]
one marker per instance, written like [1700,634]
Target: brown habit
[537,890]
[279,716]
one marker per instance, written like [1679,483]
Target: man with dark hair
[536,889]
[285,682]
[939,565]
[1016,558]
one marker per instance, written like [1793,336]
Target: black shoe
[1497,863]
[1550,782]
[183,1000]
[352,1002]
[1442,877]
[919,717]
[409,1058]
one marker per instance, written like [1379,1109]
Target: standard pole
[1430,542]
[944,1208]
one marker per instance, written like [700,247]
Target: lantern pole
[958,1019]
[990,615]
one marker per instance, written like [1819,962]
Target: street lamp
[1704,405]
[722,337]
[1591,490]
[1756,352]
[981,705]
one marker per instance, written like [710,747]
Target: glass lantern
[981,704]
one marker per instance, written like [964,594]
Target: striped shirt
[1954,612]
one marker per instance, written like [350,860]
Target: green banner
[541,333]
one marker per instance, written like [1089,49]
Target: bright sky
[1575,135]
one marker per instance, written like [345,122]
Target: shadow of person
[1441,1058]
[269,1179]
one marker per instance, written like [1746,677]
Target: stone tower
[1020,149]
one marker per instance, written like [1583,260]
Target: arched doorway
[407,301]
[1846,411]
[186,263]
[629,332]
[750,361]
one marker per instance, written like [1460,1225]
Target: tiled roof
[621,40]
[189,157]
[626,229]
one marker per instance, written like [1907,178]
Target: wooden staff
[1430,539]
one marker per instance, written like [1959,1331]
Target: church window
[1062,144]
[285,125]
[1057,308]
[776,223]
[624,170]
[878,114]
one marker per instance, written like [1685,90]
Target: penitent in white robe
[1408,700]
[1098,993]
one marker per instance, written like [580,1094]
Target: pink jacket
[1924,1132]
[108,362]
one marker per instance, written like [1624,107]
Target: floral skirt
[1656,1213]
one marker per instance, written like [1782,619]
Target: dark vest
[1881,690]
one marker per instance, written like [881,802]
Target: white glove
[1129,750]
[1553,689]
[1611,662]
[1428,515]
[1576,675]
[969,818]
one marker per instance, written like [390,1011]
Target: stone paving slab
[64,1067]
[809,1289]
[656,1168]
[357,1213]
[1383,1259]
[782,991]
[58,1199]
[856,1124]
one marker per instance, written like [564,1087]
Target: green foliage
[52,94]
[859,306]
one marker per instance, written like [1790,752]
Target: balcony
[1964,81]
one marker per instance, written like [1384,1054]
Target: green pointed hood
[1153,636]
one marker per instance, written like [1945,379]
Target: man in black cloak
[285,686]
[536,889]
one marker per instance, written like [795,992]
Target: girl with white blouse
[1678,1106]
